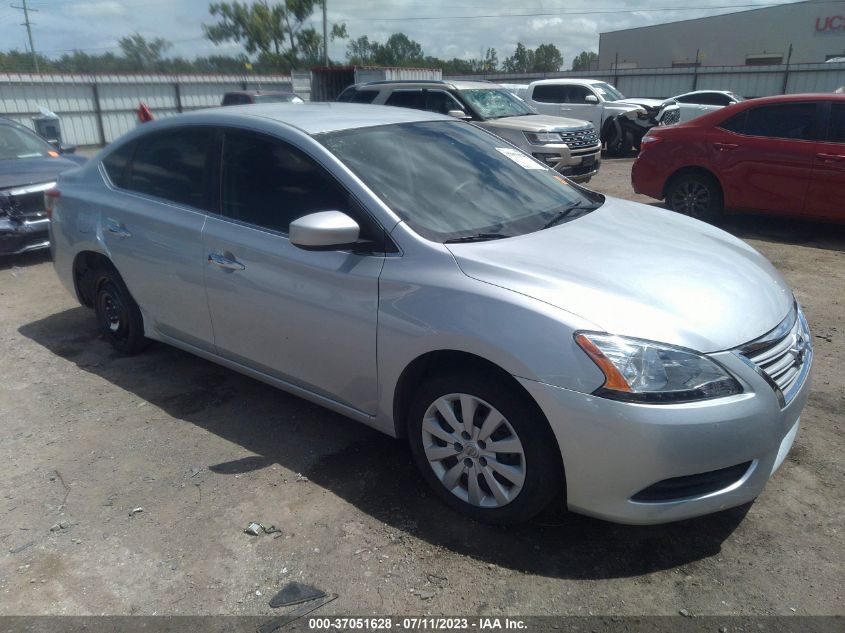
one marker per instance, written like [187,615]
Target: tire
[118,316]
[619,145]
[696,195]
[511,487]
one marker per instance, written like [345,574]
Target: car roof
[458,84]
[311,118]
[256,93]
[561,80]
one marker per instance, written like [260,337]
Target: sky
[460,28]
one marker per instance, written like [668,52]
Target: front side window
[836,126]
[19,144]
[175,165]
[608,92]
[495,104]
[268,183]
[441,102]
[449,180]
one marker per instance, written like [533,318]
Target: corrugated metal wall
[748,81]
[96,109]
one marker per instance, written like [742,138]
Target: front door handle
[725,147]
[833,158]
[226,263]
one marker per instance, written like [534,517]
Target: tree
[491,61]
[399,50]
[547,59]
[585,60]
[142,53]
[275,32]
[522,60]
[361,51]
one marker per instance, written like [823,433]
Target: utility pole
[325,36]
[28,26]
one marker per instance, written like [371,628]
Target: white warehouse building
[815,31]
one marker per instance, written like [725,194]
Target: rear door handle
[833,158]
[226,263]
[725,147]
[118,230]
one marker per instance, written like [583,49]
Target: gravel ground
[88,436]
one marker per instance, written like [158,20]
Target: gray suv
[570,146]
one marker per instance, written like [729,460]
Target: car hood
[647,103]
[535,123]
[28,171]
[634,270]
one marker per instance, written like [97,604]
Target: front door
[305,317]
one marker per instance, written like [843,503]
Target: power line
[28,26]
[557,13]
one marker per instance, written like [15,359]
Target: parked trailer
[327,82]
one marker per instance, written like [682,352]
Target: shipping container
[327,82]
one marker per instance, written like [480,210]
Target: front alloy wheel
[473,450]
[484,446]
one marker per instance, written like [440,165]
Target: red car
[780,155]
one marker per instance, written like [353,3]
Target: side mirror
[67,149]
[324,231]
[591,99]
[458,114]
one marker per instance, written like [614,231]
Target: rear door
[764,157]
[152,226]
[305,317]
[827,186]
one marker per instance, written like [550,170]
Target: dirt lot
[87,436]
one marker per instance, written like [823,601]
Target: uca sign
[830,23]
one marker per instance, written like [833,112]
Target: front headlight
[540,138]
[645,371]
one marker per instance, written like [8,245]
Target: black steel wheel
[117,313]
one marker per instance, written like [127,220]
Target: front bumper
[577,165]
[613,450]
[21,236]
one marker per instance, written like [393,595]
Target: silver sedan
[421,276]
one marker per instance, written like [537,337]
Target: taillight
[51,196]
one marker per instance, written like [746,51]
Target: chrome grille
[783,356]
[580,138]
[671,117]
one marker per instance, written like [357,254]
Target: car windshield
[496,103]
[608,92]
[276,99]
[18,144]
[452,181]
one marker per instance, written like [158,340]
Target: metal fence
[748,81]
[96,109]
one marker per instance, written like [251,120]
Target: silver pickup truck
[570,146]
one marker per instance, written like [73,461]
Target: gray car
[418,275]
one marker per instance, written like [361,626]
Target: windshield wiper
[477,237]
[565,213]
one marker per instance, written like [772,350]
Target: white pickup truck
[622,121]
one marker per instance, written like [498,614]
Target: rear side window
[790,121]
[735,123]
[351,95]
[268,183]
[836,126]
[174,165]
[407,99]
[117,162]
[550,93]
